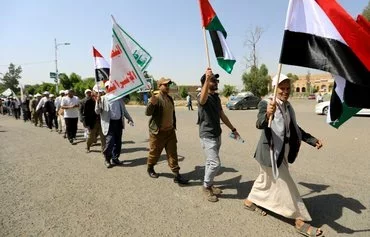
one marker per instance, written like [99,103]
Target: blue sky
[169,29]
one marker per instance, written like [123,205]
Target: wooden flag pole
[275,90]
[206,47]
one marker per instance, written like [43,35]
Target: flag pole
[206,47]
[275,90]
[96,79]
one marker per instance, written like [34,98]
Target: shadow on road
[134,149]
[328,208]
[315,188]
[143,160]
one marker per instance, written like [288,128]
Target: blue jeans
[211,148]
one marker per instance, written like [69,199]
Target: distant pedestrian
[60,112]
[70,104]
[92,120]
[189,102]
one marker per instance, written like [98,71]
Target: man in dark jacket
[92,121]
[162,125]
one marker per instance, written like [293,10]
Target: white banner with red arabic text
[125,74]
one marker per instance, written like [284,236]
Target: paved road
[51,188]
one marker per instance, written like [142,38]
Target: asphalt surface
[49,187]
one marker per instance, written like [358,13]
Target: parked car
[323,108]
[243,102]
[311,97]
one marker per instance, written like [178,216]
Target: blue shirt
[115,110]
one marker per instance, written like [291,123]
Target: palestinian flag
[320,34]
[101,67]
[218,36]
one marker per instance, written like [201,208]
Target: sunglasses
[215,81]
[168,84]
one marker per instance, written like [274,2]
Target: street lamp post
[56,62]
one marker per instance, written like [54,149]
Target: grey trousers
[211,148]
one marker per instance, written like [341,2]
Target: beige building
[314,83]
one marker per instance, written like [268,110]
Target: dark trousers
[71,127]
[168,141]
[113,140]
[52,118]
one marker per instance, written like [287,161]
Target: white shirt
[57,102]
[42,103]
[67,101]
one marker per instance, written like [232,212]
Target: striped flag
[101,67]
[320,34]
[218,36]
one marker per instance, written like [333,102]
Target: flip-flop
[312,233]
[253,207]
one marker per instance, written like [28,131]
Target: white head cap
[96,89]
[87,90]
[62,92]
[282,78]
[46,93]
[51,95]
[38,95]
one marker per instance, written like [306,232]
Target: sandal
[253,207]
[310,231]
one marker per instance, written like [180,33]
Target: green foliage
[82,85]
[69,82]
[11,78]
[256,80]
[228,90]
[183,91]
[366,12]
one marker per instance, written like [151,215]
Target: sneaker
[107,163]
[211,197]
[180,180]
[152,173]
[116,161]
[216,191]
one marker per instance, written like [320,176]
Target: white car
[323,108]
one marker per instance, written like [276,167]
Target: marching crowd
[273,190]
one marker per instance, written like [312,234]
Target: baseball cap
[282,78]
[163,81]
[203,78]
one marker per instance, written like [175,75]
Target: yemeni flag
[320,34]
[101,67]
[218,36]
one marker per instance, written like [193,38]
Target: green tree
[82,85]
[228,90]
[69,82]
[11,78]
[366,12]
[256,80]
[183,91]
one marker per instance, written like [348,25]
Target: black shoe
[107,163]
[152,173]
[116,161]
[70,140]
[180,180]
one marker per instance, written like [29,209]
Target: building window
[303,89]
[297,89]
